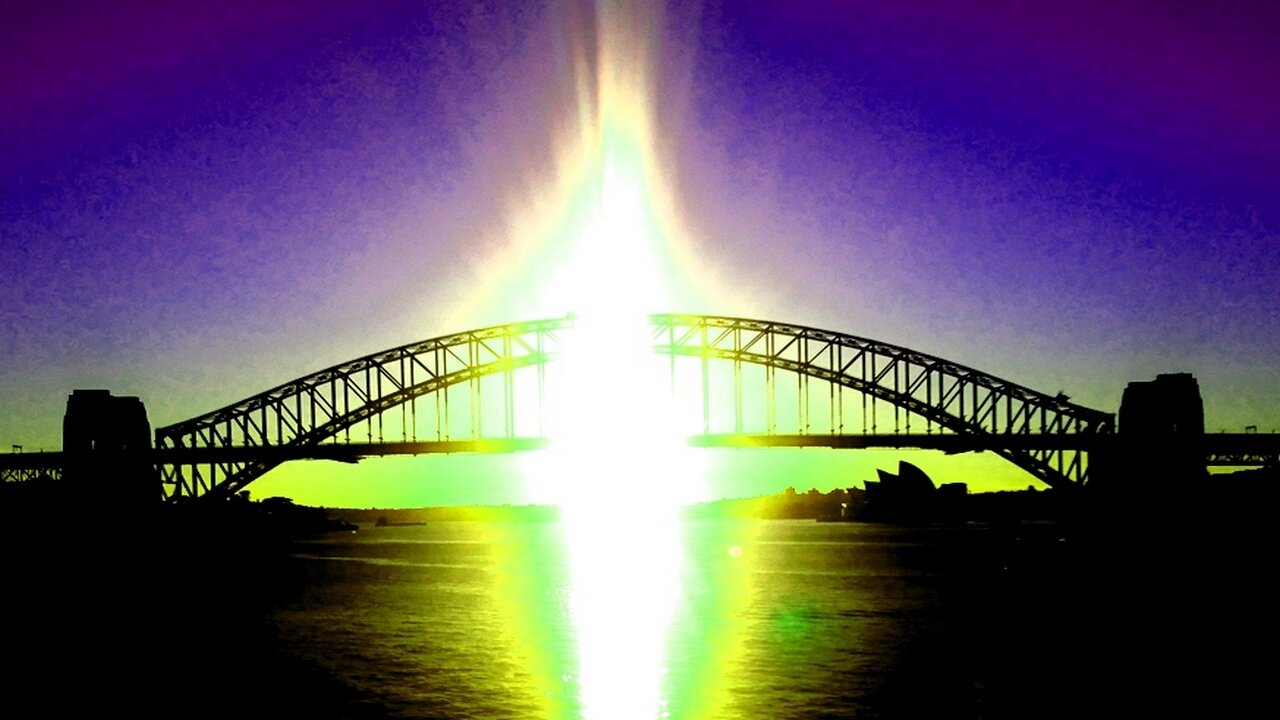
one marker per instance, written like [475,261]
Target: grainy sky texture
[200,200]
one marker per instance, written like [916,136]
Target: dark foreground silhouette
[163,612]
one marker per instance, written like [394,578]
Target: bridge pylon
[1160,442]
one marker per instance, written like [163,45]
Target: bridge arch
[953,397]
[321,406]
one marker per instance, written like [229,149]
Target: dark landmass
[921,501]
[787,505]
[161,610]
[279,515]
[396,517]
[924,503]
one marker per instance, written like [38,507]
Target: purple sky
[199,200]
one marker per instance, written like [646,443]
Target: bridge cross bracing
[787,381]
[395,391]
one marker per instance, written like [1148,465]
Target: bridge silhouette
[787,386]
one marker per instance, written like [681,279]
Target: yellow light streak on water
[618,467]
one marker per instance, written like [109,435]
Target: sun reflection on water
[618,469]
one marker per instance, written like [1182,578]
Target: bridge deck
[1236,449]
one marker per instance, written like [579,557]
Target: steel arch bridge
[221,452]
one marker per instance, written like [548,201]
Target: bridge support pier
[1158,459]
[107,445]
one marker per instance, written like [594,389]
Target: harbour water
[736,619]
[770,619]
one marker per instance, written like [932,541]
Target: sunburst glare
[609,396]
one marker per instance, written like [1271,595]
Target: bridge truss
[943,396]
[389,393]
[364,397]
